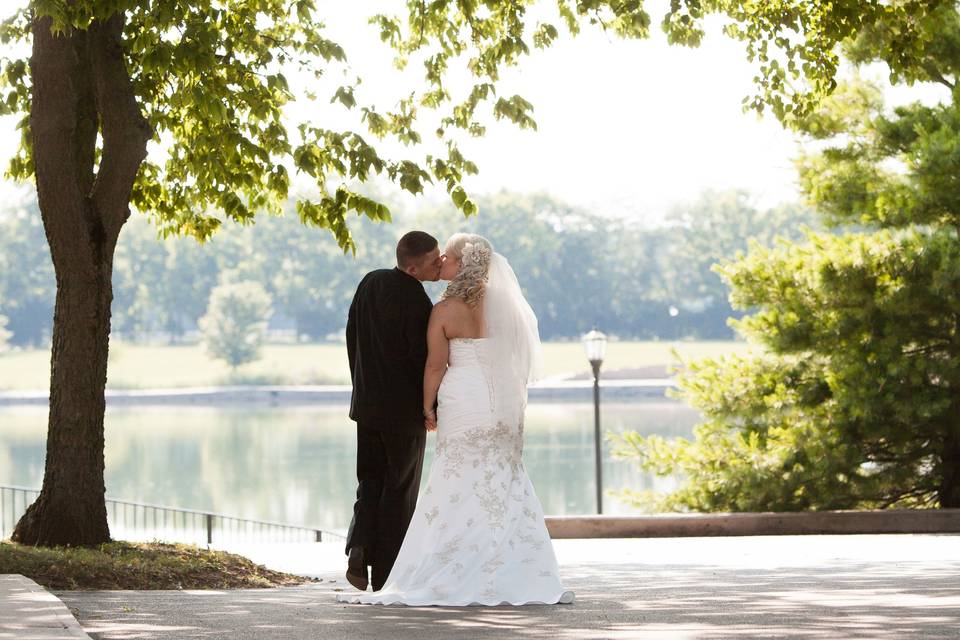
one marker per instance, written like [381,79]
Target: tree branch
[944,346]
[53,127]
[125,130]
[423,19]
[935,74]
[925,494]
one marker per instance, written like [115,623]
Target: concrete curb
[30,612]
[756,524]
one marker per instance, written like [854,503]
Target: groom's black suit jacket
[387,348]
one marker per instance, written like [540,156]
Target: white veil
[513,340]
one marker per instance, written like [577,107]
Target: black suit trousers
[389,465]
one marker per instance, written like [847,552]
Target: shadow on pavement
[842,599]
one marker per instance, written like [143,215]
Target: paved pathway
[29,612]
[894,586]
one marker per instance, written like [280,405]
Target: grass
[569,358]
[135,366]
[126,565]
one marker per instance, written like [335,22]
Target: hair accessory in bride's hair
[476,255]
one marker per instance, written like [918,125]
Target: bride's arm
[436,367]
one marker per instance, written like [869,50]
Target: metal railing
[145,522]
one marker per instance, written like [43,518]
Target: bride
[477,535]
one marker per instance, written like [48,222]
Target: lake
[296,465]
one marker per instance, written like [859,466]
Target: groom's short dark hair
[414,245]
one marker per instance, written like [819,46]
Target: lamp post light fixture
[595,344]
[675,345]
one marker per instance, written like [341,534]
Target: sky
[625,128]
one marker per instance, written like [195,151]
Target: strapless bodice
[464,352]
[465,396]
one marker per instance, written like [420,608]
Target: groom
[387,348]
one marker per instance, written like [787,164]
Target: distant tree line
[577,268]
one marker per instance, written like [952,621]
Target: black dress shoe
[357,574]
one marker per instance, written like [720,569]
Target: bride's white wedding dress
[477,535]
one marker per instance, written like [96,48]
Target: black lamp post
[595,344]
[674,313]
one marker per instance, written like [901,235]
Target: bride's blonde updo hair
[474,253]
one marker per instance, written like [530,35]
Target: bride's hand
[430,420]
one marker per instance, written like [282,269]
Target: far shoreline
[295,395]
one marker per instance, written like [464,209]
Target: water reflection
[296,465]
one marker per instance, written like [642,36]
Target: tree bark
[80,87]
[949,491]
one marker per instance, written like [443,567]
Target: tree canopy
[211,79]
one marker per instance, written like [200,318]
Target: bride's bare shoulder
[451,306]
[454,315]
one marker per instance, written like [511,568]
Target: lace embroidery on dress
[496,447]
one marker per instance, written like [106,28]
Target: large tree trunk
[949,492]
[80,87]
[71,508]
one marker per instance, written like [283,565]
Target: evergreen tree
[854,401]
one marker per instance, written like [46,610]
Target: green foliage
[852,409]
[856,404]
[236,321]
[212,79]
[765,444]
[796,44]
